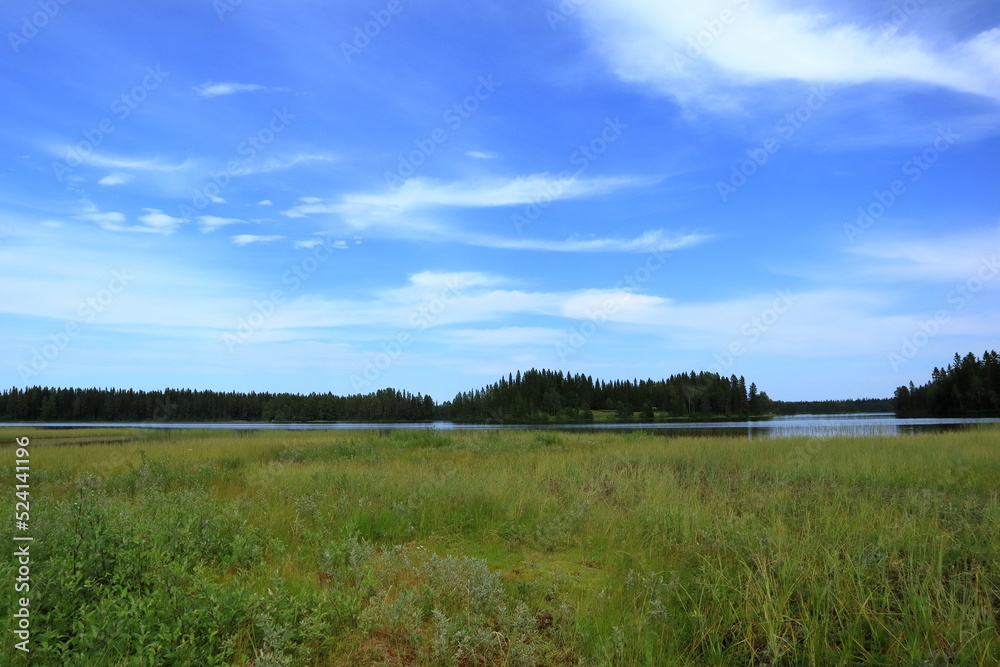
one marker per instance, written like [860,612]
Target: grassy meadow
[218,547]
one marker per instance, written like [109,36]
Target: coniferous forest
[967,387]
[534,396]
[834,407]
[185,405]
[551,395]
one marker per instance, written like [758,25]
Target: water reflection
[779,427]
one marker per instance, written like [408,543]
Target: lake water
[779,427]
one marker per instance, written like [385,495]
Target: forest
[834,407]
[967,387]
[529,397]
[544,395]
[186,405]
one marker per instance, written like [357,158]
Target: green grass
[508,548]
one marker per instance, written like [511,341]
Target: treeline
[544,395]
[842,407]
[968,387]
[181,405]
[533,396]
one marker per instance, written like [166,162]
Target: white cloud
[651,241]
[401,211]
[246,239]
[502,337]
[159,222]
[116,178]
[281,163]
[480,155]
[455,279]
[313,243]
[670,46]
[950,258]
[228,88]
[156,165]
[418,193]
[153,222]
[209,223]
[110,220]
[265,202]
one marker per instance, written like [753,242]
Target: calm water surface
[779,427]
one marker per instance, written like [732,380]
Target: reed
[510,547]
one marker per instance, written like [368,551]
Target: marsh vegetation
[510,548]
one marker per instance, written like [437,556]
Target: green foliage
[449,611]
[512,547]
[539,396]
[173,405]
[968,387]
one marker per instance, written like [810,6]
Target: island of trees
[967,387]
[544,395]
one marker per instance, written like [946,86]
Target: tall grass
[511,547]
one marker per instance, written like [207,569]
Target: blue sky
[317,196]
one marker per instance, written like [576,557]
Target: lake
[779,427]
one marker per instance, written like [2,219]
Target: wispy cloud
[247,239]
[154,221]
[159,222]
[403,211]
[209,223]
[766,41]
[155,164]
[116,178]
[365,209]
[231,88]
[112,220]
[282,163]
[420,193]
[314,243]
[651,241]
[950,258]
[512,336]
[480,155]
